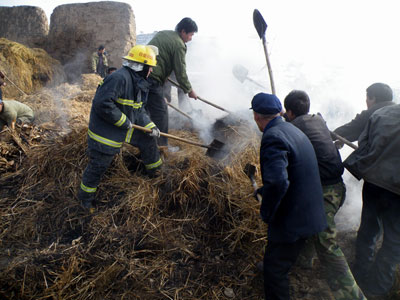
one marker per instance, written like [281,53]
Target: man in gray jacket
[377,162]
[378,96]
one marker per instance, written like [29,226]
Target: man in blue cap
[292,201]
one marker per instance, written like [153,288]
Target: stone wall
[26,25]
[76,31]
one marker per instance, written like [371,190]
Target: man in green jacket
[99,61]
[12,111]
[171,58]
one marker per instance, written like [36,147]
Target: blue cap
[266,104]
[1,101]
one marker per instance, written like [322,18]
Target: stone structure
[26,25]
[76,31]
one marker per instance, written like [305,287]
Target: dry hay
[192,233]
[57,111]
[64,106]
[29,69]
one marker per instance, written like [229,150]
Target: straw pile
[28,68]
[192,233]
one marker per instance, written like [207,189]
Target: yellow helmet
[144,54]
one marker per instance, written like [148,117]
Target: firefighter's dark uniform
[118,102]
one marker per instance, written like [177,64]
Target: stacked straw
[192,233]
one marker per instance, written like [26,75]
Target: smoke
[77,65]
[335,74]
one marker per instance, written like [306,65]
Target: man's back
[352,130]
[172,52]
[377,158]
[292,193]
[328,157]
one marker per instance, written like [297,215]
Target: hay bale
[30,69]
[188,234]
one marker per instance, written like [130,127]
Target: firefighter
[119,103]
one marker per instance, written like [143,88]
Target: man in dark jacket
[377,162]
[172,48]
[336,270]
[119,103]
[378,96]
[292,201]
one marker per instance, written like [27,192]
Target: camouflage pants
[335,268]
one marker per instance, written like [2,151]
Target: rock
[228,292]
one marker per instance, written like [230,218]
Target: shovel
[261,27]
[201,99]
[178,110]
[214,150]
[241,73]
[250,171]
[2,74]
[343,140]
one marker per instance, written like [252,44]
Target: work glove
[155,132]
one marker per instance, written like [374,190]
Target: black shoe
[89,205]
[154,173]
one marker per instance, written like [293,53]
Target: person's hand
[258,194]
[192,94]
[155,132]
[339,144]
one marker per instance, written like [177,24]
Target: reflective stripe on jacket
[118,102]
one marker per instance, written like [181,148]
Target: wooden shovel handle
[171,136]
[342,139]
[201,99]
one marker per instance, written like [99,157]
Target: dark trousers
[380,215]
[278,260]
[157,109]
[97,166]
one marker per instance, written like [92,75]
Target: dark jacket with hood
[119,101]
[377,159]
[329,161]
[292,200]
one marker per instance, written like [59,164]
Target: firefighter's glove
[155,132]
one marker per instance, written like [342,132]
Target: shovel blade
[250,170]
[240,73]
[216,149]
[259,23]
